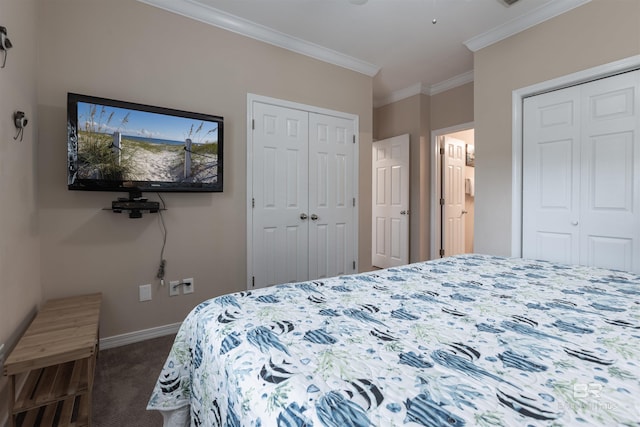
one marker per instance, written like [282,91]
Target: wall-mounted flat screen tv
[122,146]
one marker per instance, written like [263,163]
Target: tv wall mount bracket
[135,205]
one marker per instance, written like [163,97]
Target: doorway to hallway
[453,191]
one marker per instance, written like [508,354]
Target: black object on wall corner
[5,45]
[20,121]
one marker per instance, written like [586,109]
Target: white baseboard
[137,336]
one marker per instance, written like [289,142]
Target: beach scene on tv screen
[119,144]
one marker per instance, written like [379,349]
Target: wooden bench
[51,368]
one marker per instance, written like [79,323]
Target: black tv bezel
[135,187]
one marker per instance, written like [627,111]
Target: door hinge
[441,202]
[253,281]
[354,202]
[354,265]
[253,124]
[253,202]
[442,151]
[354,138]
[441,252]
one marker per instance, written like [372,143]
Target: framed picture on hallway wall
[471,155]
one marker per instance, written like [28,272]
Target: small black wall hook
[20,121]
[5,45]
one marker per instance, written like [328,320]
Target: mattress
[466,340]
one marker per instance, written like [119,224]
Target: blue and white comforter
[467,340]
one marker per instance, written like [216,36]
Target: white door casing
[453,223]
[581,166]
[301,164]
[390,202]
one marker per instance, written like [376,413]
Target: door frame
[436,166]
[517,98]
[251,98]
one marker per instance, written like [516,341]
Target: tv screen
[122,146]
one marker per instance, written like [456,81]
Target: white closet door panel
[320,259]
[555,175]
[276,242]
[344,260]
[609,252]
[610,203]
[609,174]
[555,247]
[280,181]
[331,193]
[551,176]
[581,174]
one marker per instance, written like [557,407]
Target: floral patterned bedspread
[466,340]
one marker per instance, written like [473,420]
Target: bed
[466,340]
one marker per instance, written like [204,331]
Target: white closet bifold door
[581,174]
[304,177]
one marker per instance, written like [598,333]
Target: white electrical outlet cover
[174,288]
[187,288]
[145,292]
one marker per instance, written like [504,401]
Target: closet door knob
[303,216]
[574,222]
[314,217]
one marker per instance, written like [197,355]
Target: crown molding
[401,94]
[535,17]
[420,88]
[209,15]
[218,18]
[459,80]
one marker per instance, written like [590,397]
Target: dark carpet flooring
[124,379]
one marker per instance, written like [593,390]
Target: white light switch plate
[145,292]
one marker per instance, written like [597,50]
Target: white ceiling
[394,41]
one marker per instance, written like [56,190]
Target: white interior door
[390,210]
[331,196]
[581,168]
[280,195]
[453,226]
